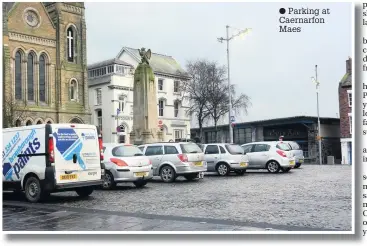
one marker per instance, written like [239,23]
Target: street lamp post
[241,32]
[318,114]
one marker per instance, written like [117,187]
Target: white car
[125,163]
[273,156]
[223,158]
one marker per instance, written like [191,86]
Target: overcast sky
[273,68]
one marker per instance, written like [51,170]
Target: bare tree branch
[13,111]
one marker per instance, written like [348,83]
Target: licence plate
[243,164]
[68,177]
[301,160]
[198,163]
[140,174]
[291,162]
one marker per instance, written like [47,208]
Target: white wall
[109,108]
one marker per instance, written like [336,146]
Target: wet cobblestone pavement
[310,198]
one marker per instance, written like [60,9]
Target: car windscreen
[234,149]
[283,146]
[190,148]
[126,151]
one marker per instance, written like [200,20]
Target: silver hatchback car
[171,160]
[125,163]
[273,156]
[223,158]
[297,152]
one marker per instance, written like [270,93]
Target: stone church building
[44,64]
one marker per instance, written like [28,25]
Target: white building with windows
[111,96]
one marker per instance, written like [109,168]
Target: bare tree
[218,97]
[195,91]
[13,112]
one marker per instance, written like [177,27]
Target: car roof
[263,142]
[220,144]
[116,144]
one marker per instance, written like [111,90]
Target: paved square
[310,198]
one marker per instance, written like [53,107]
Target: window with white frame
[132,109]
[176,86]
[99,119]
[121,106]
[160,107]
[349,98]
[120,69]
[178,134]
[110,69]
[160,84]
[350,122]
[176,106]
[99,96]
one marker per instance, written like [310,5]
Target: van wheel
[108,181]
[84,191]
[273,167]
[33,190]
[223,169]
[140,183]
[168,175]
[191,176]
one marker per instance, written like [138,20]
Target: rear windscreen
[126,151]
[190,148]
[294,145]
[283,146]
[234,149]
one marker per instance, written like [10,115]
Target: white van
[41,159]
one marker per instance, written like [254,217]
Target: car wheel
[273,167]
[223,169]
[167,174]
[285,170]
[84,191]
[240,172]
[191,176]
[33,190]
[108,181]
[297,165]
[140,183]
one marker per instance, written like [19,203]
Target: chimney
[349,65]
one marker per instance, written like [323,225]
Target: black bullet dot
[282,11]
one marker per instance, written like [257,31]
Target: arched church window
[71,40]
[18,75]
[42,78]
[18,123]
[30,77]
[73,90]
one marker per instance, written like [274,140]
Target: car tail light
[100,147]
[118,162]
[150,162]
[281,153]
[51,152]
[183,157]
